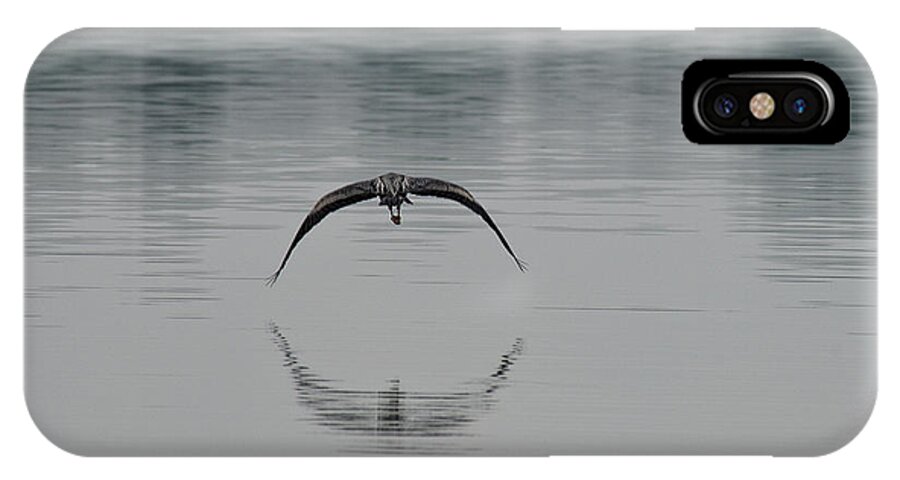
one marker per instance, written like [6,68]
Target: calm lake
[680,298]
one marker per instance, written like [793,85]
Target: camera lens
[801,105]
[725,105]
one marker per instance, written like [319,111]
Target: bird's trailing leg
[396,218]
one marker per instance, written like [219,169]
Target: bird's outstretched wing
[340,198]
[433,187]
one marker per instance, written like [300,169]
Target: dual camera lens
[799,105]
[725,105]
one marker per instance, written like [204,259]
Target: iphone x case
[439,242]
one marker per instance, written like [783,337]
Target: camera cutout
[764,101]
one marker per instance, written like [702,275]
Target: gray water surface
[680,298]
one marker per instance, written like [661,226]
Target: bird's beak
[395,219]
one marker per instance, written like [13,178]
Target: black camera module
[801,105]
[805,102]
[725,105]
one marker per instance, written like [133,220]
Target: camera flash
[762,105]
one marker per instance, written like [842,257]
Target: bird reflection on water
[392,411]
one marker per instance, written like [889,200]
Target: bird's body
[392,190]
